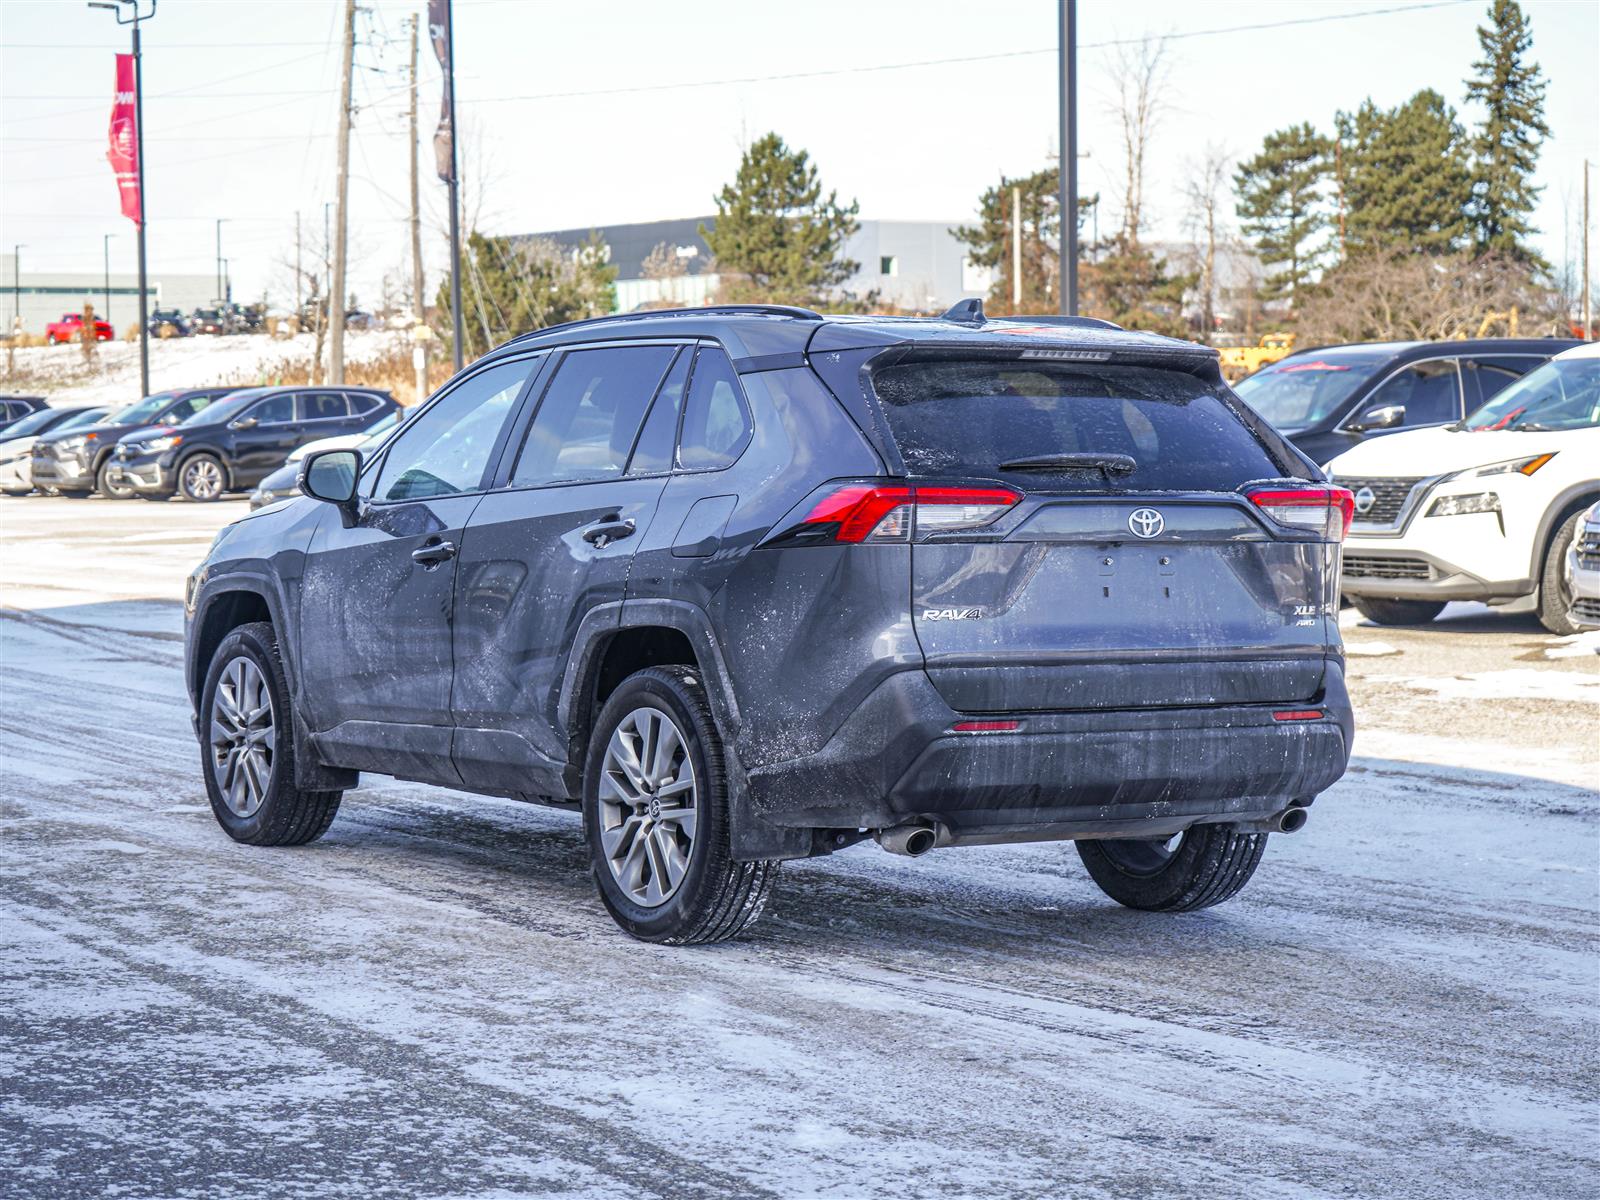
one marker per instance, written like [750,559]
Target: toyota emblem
[1146,522]
[1365,499]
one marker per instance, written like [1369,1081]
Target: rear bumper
[1121,773]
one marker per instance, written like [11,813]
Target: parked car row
[196,443]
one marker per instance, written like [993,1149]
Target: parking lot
[429,1000]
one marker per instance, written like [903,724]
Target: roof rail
[768,310]
[1057,319]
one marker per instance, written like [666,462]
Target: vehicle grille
[1586,609]
[1368,566]
[1388,497]
[1588,550]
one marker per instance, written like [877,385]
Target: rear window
[970,418]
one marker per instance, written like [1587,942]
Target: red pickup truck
[70,329]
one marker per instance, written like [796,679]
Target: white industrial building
[40,297]
[912,265]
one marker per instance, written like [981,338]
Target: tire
[252,810]
[103,484]
[202,478]
[1206,865]
[712,898]
[1397,612]
[1554,597]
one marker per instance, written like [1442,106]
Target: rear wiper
[1111,464]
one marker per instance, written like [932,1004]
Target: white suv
[1481,510]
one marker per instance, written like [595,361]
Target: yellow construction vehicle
[1239,361]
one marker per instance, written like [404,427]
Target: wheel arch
[1574,498]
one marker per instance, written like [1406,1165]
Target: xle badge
[951,614]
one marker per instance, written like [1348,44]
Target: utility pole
[297,300]
[1069,156]
[1587,315]
[336,287]
[16,285]
[419,302]
[218,292]
[454,182]
[106,245]
[1016,248]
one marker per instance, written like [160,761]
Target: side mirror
[1385,416]
[245,423]
[330,476]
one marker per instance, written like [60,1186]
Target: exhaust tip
[910,840]
[920,841]
[1292,819]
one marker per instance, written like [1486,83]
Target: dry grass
[392,372]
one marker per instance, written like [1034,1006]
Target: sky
[573,114]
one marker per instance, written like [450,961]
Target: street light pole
[134,17]
[16,285]
[220,220]
[1069,156]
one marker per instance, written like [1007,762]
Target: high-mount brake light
[1312,508]
[867,512]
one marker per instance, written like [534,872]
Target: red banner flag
[123,154]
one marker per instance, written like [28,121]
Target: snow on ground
[430,1001]
[1507,685]
[1370,649]
[59,372]
[1579,645]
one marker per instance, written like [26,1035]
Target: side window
[274,410]
[323,406]
[716,420]
[361,402]
[653,454]
[187,408]
[446,449]
[590,415]
[1428,390]
[1483,377]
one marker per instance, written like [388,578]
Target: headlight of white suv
[1521,466]
[1473,502]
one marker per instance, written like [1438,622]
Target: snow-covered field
[430,1001]
[60,375]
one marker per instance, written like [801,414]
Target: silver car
[1583,572]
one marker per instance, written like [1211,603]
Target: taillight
[1325,510]
[868,512]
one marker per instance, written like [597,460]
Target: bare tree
[1139,72]
[1205,190]
[663,263]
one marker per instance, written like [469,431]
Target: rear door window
[964,419]
[1482,377]
[653,453]
[323,406]
[716,419]
[590,415]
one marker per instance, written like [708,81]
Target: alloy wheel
[202,479]
[1142,856]
[647,797]
[242,736]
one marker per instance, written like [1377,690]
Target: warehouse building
[917,266]
[40,297]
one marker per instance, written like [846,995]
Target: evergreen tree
[1282,208]
[1405,177]
[776,234]
[513,285]
[1506,147]
[989,241]
[1128,284]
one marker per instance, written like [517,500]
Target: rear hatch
[1134,565]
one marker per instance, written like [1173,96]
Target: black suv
[234,445]
[1328,399]
[76,462]
[751,584]
[14,408]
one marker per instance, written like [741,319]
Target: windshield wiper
[1091,460]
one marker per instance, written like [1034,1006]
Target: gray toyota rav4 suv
[747,584]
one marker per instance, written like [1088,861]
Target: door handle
[602,533]
[431,554]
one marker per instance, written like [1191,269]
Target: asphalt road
[431,1002]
